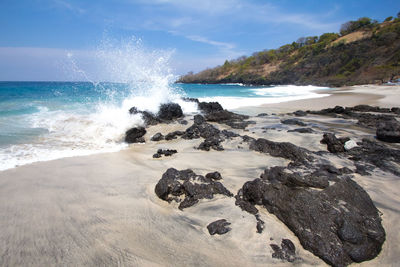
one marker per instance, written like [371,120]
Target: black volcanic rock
[173,135]
[157,137]
[334,144]
[286,252]
[210,107]
[339,224]
[135,135]
[300,113]
[301,130]
[281,149]
[293,122]
[187,188]
[213,142]
[388,131]
[375,153]
[219,227]
[165,152]
[214,176]
[170,111]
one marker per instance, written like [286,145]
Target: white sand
[101,210]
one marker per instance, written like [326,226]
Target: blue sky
[38,36]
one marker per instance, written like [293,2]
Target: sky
[59,40]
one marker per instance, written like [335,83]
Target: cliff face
[370,54]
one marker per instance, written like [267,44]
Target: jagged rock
[377,154]
[204,130]
[183,122]
[191,99]
[280,149]
[210,107]
[229,134]
[214,176]
[367,108]
[362,170]
[213,142]
[149,118]
[174,135]
[286,252]
[293,122]
[135,135]
[278,175]
[388,131]
[175,185]
[157,137]
[335,145]
[219,227]
[198,119]
[339,224]
[165,152]
[170,111]
[302,130]
[262,115]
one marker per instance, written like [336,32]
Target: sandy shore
[375,95]
[101,210]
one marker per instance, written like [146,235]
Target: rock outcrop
[187,188]
[339,224]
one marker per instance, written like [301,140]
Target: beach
[101,210]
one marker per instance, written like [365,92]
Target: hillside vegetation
[364,51]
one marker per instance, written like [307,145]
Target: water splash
[123,74]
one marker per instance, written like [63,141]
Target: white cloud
[67,5]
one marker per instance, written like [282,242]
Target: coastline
[102,210]
[385,96]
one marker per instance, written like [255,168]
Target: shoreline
[102,210]
[349,96]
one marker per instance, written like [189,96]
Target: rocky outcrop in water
[167,113]
[135,135]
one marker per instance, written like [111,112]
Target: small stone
[219,227]
[349,145]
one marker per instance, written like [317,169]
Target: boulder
[157,137]
[334,145]
[219,227]
[187,188]
[169,112]
[388,131]
[339,224]
[173,135]
[210,107]
[135,135]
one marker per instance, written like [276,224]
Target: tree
[388,18]
[398,15]
[352,26]
[301,41]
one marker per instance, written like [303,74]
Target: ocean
[42,121]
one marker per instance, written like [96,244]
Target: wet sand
[101,210]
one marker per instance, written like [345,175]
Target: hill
[364,52]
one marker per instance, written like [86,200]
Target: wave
[268,95]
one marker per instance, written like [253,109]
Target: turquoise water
[48,120]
